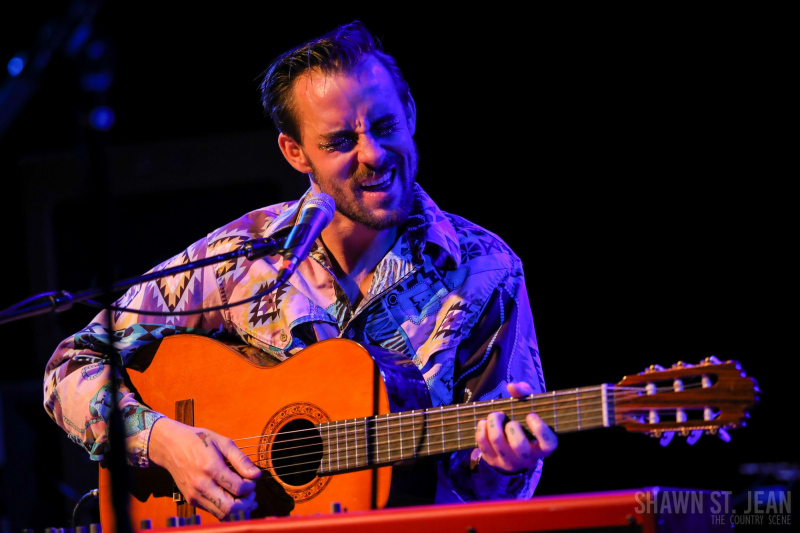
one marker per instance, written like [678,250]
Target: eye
[337,145]
[387,128]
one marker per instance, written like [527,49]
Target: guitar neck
[369,442]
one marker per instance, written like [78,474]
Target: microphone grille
[322,201]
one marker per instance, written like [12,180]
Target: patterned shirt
[449,295]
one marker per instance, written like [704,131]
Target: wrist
[159,444]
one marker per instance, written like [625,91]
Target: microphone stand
[76,38]
[63,300]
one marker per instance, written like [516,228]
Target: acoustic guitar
[350,425]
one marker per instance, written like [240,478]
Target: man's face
[357,140]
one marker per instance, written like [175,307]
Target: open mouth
[379,183]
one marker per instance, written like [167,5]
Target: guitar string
[362,466]
[488,407]
[434,429]
[387,423]
[442,429]
[280,470]
[395,423]
[360,431]
[382,456]
[549,400]
[369,459]
[566,425]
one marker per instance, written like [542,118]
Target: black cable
[93,303]
[17,305]
[60,301]
[94,493]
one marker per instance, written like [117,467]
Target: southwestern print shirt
[449,295]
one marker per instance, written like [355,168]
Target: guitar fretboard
[385,439]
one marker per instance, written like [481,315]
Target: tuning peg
[681,364]
[711,360]
[720,432]
[666,438]
[694,436]
[654,368]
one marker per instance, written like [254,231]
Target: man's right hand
[195,457]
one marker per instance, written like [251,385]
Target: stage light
[15,65]
[102,118]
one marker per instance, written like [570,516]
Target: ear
[294,153]
[411,114]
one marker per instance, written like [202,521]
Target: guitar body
[208,384]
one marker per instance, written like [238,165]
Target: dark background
[636,160]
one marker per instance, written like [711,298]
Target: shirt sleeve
[80,380]
[501,348]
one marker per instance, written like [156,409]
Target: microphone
[317,213]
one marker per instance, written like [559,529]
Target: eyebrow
[338,134]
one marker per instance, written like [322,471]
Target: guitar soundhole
[291,449]
[297,452]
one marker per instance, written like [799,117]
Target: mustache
[364,174]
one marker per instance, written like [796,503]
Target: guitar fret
[428,429]
[578,405]
[492,404]
[379,446]
[458,425]
[383,454]
[354,440]
[414,432]
[372,448]
[338,465]
[388,439]
[474,422]
[330,446]
[441,425]
[400,431]
[355,437]
[346,447]
[555,411]
[365,440]
[532,407]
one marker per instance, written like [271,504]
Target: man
[390,269]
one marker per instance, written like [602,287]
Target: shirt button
[284,336]
[351,333]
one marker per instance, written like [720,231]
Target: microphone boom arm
[62,300]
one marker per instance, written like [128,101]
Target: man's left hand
[505,446]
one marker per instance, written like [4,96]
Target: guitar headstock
[690,400]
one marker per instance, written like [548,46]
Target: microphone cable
[94,493]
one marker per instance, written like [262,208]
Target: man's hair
[337,51]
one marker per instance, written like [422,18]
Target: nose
[370,152]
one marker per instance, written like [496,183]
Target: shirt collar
[287,216]
[438,230]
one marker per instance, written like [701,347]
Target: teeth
[379,181]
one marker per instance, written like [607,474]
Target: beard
[348,195]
